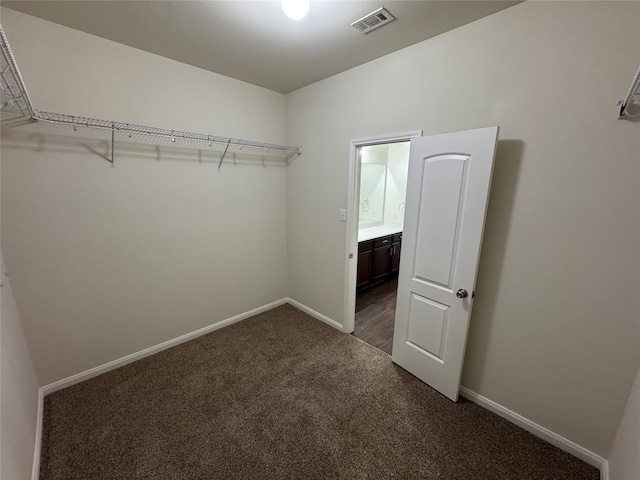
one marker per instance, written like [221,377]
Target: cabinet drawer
[381,241]
[365,246]
[397,237]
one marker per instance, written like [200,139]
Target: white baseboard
[317,315]
[121,362]
[540,431]
[547,435]
[35,471]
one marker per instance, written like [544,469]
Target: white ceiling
[254,41]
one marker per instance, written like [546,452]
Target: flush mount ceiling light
[295,9]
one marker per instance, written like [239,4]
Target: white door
[447,194]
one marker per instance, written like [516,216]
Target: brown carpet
[281,396]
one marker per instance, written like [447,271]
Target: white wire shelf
[15,99]
[77,121]
[632,98]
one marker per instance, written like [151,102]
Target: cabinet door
[395,257]
[364,268]
[381,263]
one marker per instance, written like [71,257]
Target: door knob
[462,293]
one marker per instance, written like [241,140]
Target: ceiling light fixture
[295,9]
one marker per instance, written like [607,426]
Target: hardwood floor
[375,314]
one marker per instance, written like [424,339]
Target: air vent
[373,20]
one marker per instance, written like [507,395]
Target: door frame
[351,262]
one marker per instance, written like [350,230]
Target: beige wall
[624,460]
[106,262]
[18,392]
[555,327]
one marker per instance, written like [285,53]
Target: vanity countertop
[379,231]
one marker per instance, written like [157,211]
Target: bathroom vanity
[378,259]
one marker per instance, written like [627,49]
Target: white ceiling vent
[373,20]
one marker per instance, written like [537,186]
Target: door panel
[447,194]
[441,195]
[427,326]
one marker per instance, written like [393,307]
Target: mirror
[373,179]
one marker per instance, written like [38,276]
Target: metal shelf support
[632,98]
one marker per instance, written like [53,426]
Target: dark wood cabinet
[381,263]
[381,266]
[365,256]
[396,244]
[378,259]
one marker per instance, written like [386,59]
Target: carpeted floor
[281,396]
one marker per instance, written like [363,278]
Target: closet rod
[632,97]
[14,93]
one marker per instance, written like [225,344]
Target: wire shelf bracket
[632,98]
[15,100]
[15,97]
[223,154]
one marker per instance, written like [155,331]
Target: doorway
[375,213]
[446,204]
